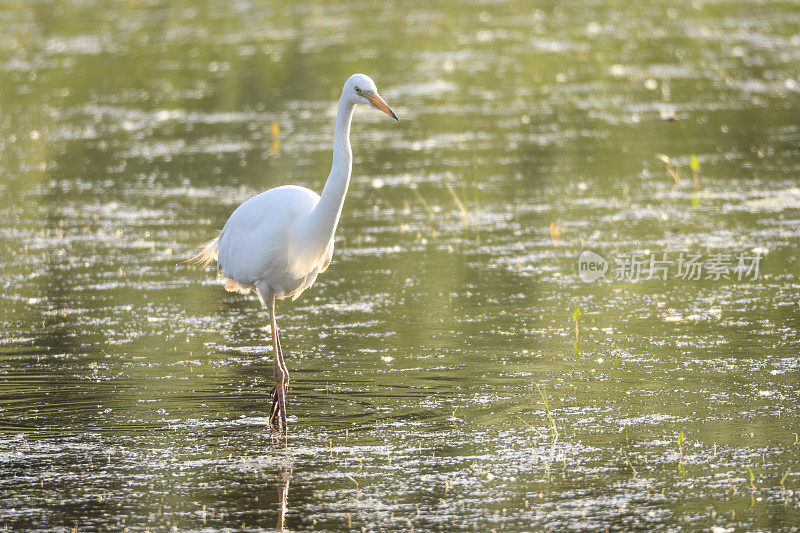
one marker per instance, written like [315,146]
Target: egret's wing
[249,243]
[254,244]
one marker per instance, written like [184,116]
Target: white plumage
[277,243]
[261,246]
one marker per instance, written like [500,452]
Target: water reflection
[284,479]
[134,392]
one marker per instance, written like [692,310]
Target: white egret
[277,242]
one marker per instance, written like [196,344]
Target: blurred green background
[437,382]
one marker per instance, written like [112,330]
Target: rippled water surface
[437,380]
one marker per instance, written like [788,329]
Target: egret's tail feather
[210,253]
[207,255]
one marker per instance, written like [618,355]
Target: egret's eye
[358,90]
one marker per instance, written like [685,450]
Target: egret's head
[361,90]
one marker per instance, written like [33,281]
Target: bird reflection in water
[284,463]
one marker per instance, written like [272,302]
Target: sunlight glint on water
[436,378]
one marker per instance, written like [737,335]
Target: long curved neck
[326,214]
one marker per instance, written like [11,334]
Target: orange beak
[378,103]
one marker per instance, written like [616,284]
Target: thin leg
[283,362]
[278,414]
[274,412]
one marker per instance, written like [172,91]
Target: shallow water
[436,380]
